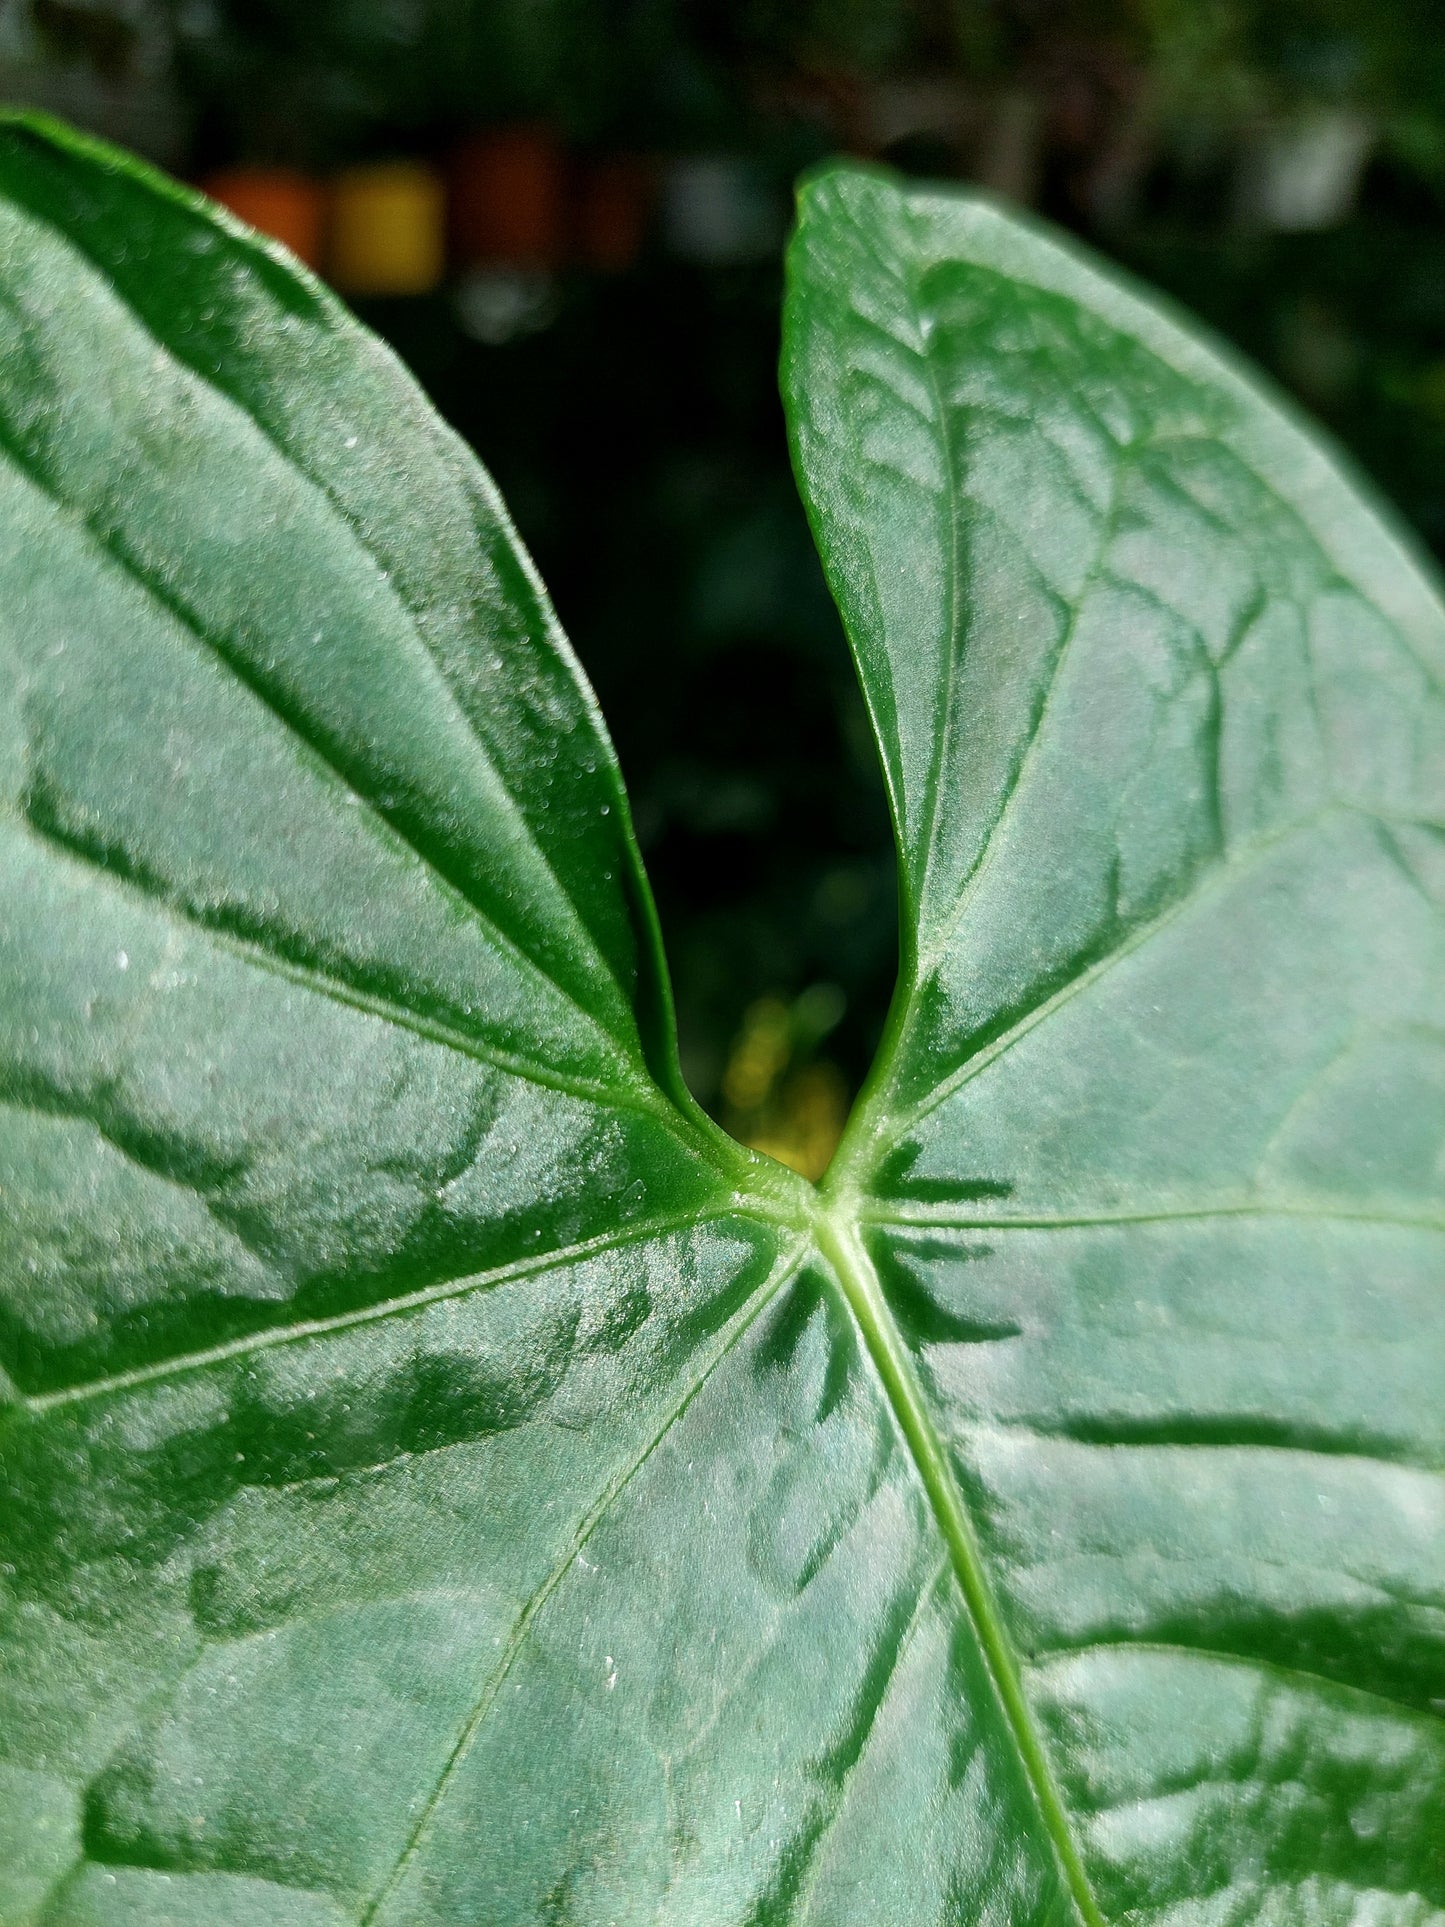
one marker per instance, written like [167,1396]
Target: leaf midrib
[837,1236]
[829,1225]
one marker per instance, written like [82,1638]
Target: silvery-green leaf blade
[440,1478]
[1150,1176]
[443,1481]
[353,1261]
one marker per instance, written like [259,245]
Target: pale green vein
[1221,877]
[106,544]
[823,1826]
[1018,788]
[731,1335]
[307,1328]
[925,1217]
[864,1296]
[639,1094]
[1261,425]
[512,806]
[943,736]
[1298,1678]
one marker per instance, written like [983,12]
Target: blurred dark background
[567,216]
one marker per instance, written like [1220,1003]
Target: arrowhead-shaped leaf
[445,1483]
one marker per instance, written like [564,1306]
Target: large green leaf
[445,1483]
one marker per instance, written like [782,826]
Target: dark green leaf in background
[445,1482]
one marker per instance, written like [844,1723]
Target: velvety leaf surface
[1151,1168]
[442,1481]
